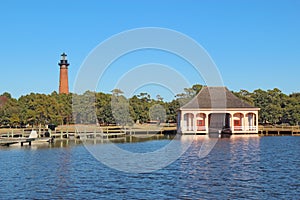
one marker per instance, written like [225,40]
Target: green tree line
[275,106]
[115,108]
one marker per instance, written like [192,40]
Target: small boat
[31,140]
[226,133]
[35,139]
[220,133]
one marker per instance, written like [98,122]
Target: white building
[214,109]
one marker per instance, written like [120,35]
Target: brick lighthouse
[63,75]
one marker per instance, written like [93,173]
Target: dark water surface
[236,168]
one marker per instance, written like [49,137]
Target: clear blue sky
[255,44]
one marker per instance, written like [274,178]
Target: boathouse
[216,109]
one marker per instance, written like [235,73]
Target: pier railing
[110,131]
[277,129]
[89,131]
[244,128]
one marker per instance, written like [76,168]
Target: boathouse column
[191,119]
[256,117]
[250,120]
[179,120]
[183,122]
[244,126]
[248,124]
[195,121]
[231,121]
[206,121]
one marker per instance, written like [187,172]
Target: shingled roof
[215,97]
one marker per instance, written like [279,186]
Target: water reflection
[236,168]
[63,173]
[226,171]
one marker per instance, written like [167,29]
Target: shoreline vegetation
[35,110]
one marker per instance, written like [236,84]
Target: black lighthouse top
[63,60]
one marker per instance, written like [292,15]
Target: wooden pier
[85,131]
[62,132]
[22,141]
[11,136]
[279,130]
[10,141]
[21,136]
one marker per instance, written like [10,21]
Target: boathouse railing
[244,128]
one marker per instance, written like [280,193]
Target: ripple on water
[239,167]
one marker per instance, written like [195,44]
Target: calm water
[237,168]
